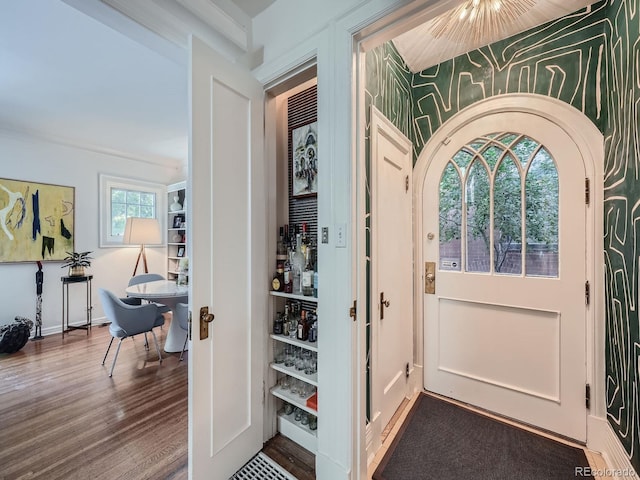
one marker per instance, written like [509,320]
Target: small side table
[66,281]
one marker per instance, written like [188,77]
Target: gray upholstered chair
[129,320]
[181,315]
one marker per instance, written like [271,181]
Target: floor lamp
[141,231]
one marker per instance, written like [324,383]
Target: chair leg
[146,342]
[184,346]
[107,352]
[155,340]
[115,358]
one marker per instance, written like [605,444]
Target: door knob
[205,319]
[430,277]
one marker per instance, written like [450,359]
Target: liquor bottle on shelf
[293,319]
[297,266]
[277,324]
[304,239]
[281,251]
[278,279]
[285,320]
[307,276]
[303,328]
[288,278]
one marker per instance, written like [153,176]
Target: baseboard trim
[602,439]
[58,328]
[327,469]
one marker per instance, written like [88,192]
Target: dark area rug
[443,441]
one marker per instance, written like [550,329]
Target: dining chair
[128,321]
[181,315]
[144,278]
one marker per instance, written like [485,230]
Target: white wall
[28,158]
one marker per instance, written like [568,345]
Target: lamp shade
[141,231]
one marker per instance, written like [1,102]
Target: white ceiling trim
[176,20]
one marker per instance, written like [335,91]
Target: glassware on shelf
[288,408]
[313,422]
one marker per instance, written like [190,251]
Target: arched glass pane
[507,139]
[477,199]
[541,193]
[450,230]
[507,218]
[463,159]
[478,143]
[491,155]
[524,149]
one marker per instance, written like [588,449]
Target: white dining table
[167,293]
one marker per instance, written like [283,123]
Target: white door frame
[591,145]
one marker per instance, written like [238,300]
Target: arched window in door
[494,192]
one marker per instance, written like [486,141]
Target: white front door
[226,242]
[504,219]
[391,268]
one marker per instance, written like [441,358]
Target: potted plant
[77,261]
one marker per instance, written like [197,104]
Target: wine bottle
[288,280]
[297,266]
[307,277]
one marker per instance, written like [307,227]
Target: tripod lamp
[141,231]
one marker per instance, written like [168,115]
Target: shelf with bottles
[293,296]
[296,271]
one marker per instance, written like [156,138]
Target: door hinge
[587,396]
[406,184]
[587,292]
[353,311]
[190,323]
[587,191]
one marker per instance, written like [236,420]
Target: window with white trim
[121,198]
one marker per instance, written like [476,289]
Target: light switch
[341,235]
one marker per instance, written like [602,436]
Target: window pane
[541,191]
[133,197]
[147,199]
[450,218]
[524,149]
[491,155]
[477,199]
[119,196]
[133,210]
[507,218]
[146,212]
[118,219]
[508,139]
[463,159]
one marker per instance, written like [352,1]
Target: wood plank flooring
[62,417]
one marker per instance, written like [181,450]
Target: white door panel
[512,343]
[392,267]
[227,270]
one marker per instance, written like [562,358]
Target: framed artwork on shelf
[304,165]
[178,221]
[36,221]
[180,252]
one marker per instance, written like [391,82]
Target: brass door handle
[205,319]
[383,303]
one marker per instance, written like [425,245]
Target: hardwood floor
[62,417]
[292,457]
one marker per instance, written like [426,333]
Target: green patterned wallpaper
[591,60]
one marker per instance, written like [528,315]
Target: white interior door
[226,238]
[505,329]
[391,267]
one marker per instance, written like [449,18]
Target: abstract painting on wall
[36,221]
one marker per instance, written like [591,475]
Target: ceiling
[111,75]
